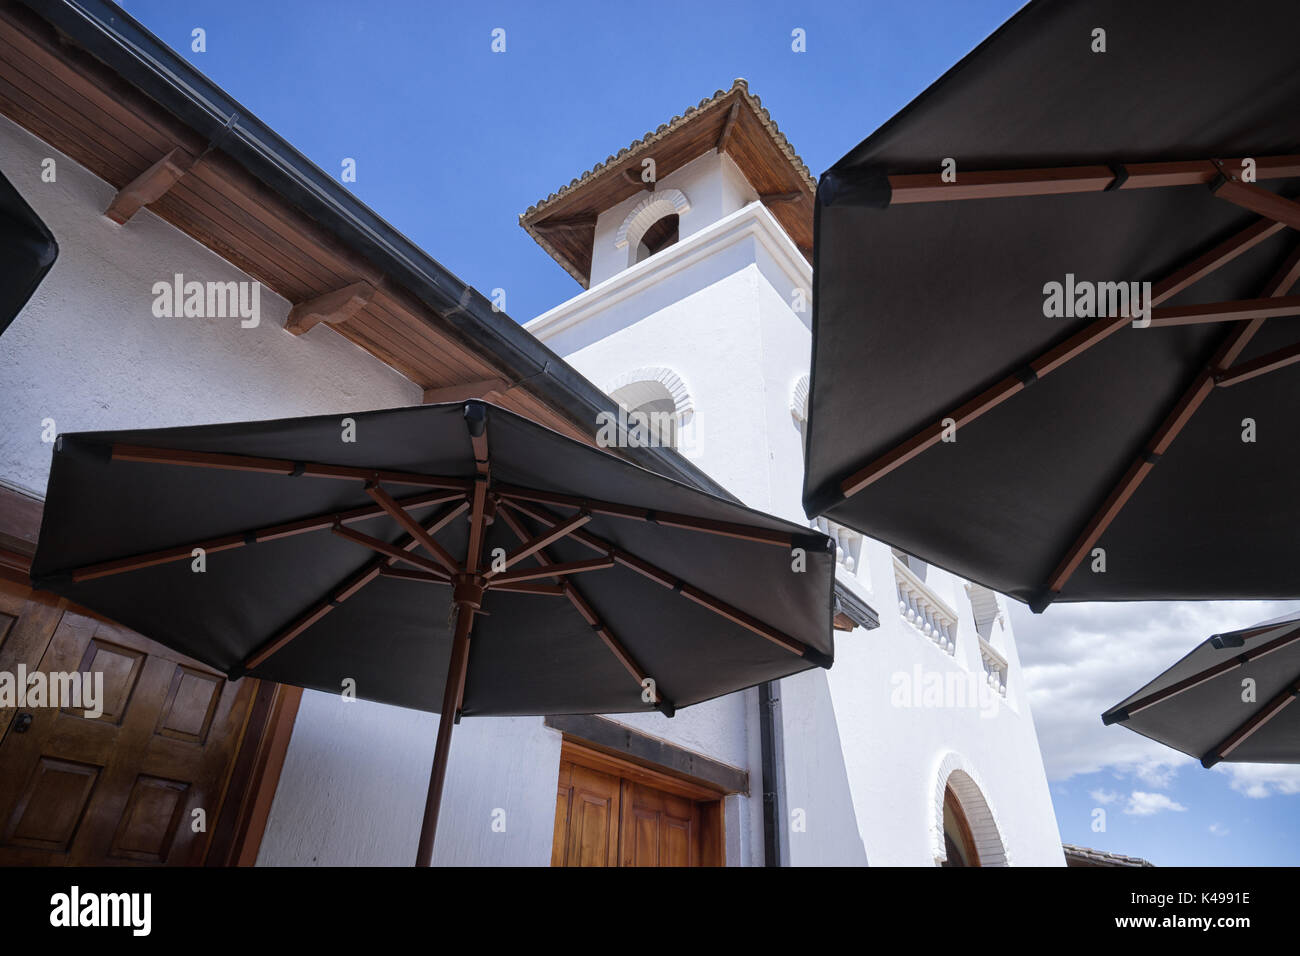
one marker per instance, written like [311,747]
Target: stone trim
[683,403]
[647,212]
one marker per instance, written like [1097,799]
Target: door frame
[254,774]
[709,796]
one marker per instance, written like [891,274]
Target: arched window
[659,236]
[958,843]
[660,399]
[652,224]
[650,409]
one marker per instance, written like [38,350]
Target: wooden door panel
[121,788]
[593,818]
[605,819]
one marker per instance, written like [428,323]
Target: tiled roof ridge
[675,123]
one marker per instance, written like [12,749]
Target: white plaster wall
[87,352]
[354,782]
[716,308]
[892,751]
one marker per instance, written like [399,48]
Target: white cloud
[1259,780]
[1142,804]
[1104,797]
[1219,829]
[1081,659]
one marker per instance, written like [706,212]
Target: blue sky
[453,141]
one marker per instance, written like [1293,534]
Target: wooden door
[122,788]
[610,812]
[659,828]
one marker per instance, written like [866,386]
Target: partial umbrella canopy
[1231,699]
[1078,456]
[27,252]
[362,553]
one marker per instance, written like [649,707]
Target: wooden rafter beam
[1250,727]
[332,307]
[346,589]
[1055,357]
[587,612]
[1240,311]
[252,536]
[661,577]
[1188,403]
[573,224]
[412,527]
[777,199]
[1011,183]
[150,186]
[726,529]
[280,466]
[728,125]
[488,390]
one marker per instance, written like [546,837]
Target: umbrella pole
[446,720]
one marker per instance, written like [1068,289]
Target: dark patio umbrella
[27,251]
[1202,706]
[589,584]
[953,419]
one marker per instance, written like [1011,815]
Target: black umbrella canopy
[952,418]
[27,251]
[1231,699]
[668,583]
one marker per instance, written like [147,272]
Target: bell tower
[693,246]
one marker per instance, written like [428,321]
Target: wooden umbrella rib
[412,527]
[279,466]
[1270,362]
[350,586]
[531,547]
[1057,180]
[1058,355]
[664,579]
[551,571]
[391,550]
[254,536]
[1239,311]
[1252,726]
[586,611]
[1209,673]
[405,574]
[727,529]
[1188,403]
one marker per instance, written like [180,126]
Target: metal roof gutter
[157,71]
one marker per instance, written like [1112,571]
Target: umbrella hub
[467,589]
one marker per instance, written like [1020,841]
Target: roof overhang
[731,121]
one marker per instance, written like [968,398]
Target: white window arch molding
[683,401]
[955,772]
[646,213]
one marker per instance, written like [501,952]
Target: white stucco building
[696,305]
